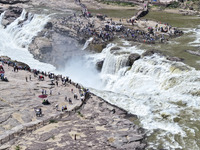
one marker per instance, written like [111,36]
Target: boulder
[10,15]
[114,49]
[49,25]
[150,53]
[132,58]
[175,59]
[99,65]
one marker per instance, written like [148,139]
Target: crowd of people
[104,30]
[110,30]
[83,93]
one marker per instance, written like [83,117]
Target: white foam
[16,37]
[151,89]
[87,43]
[196,42]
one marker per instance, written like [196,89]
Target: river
[165,95]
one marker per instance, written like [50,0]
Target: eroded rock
[11,14]
[132,58]
[99,65]
[150,53]
[174,59]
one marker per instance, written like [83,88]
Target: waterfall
[17,36]
[87,43]
[113,64]
[25,27]
[1,17]
[158,91]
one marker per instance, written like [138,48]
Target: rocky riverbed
[105,126]
[74,28]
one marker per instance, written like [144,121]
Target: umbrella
[42,96]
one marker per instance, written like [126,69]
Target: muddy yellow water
[128,13]
[175,47]
[177,20]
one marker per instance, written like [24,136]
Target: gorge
[161,90]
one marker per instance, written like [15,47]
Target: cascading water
[87,43]
[163,94]
[197,36]
[16,37]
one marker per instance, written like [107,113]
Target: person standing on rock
[75,96]
[42,91]
[57,83]
[70,100]
[26,79]
[56,106]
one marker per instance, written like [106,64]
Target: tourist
[75,96]
[56,106]
[70,100]
[42,91]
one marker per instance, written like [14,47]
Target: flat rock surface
[96,125]
[18,98]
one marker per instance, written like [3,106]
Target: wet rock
[49,25]
[13,1]
[113,49]
[175,59]
[132,58]
[10,15]
[149,53]
[99,65]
